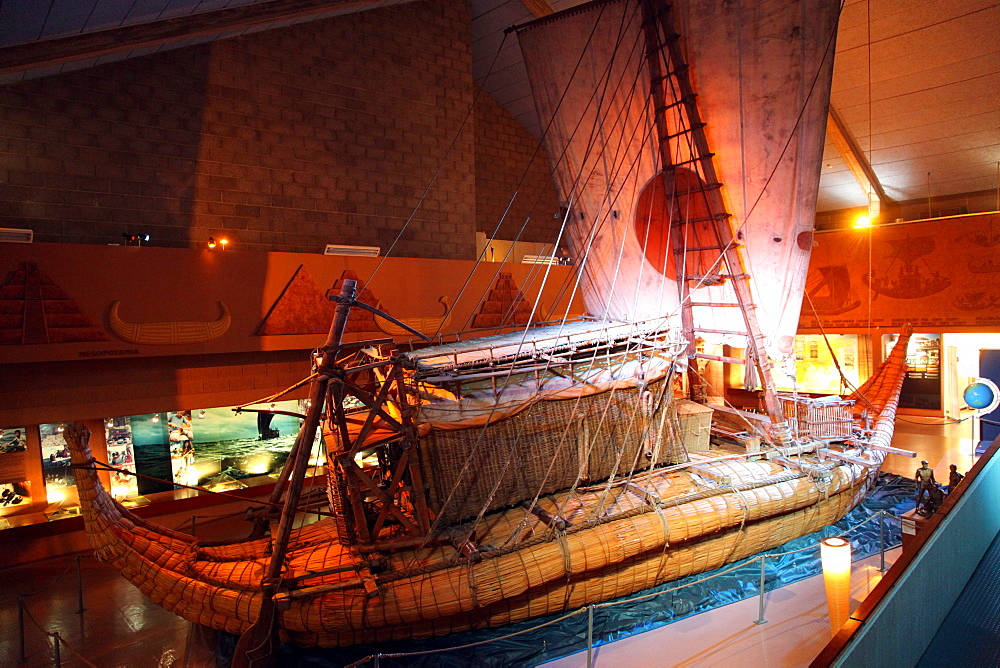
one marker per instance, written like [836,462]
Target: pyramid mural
[33,310]
[503,305]
[302,308]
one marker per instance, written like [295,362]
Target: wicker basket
[818,419]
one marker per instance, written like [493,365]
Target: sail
[762,74]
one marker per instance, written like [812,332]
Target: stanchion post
[590,635]
[760,609]
[193,518]
[20,626]
[881,540]
[55,649]
[79,586]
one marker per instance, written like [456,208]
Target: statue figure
[954,477]
[925,479]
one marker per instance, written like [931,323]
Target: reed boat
[479,482]
[170,332]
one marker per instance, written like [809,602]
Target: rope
[56,636]
[57,579]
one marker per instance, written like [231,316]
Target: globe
[978,395]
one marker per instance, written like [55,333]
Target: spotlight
[222,242]
[201,414]
[155,418]
[109,423]
[862,221]
[211,242]
[61,428]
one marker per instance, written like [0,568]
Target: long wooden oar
[258,645]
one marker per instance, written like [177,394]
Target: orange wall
[108,376]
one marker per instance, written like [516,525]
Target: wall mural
[13,445]
[301,308]
[34,309]
[168,301]
[60,483]
[909,274]
[121,455]
[304,308]
[934,274]
[830,292]
[503,305]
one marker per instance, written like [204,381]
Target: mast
[711,228]
[257,645]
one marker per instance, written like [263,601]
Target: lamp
[155,418]
[201,414]
[136,239]
[211,242]
[222,242]
[835,553]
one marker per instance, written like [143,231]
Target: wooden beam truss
[391,492]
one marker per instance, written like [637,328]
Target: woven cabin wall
[618,435]
[539,451]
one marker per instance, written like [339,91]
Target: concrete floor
[121,627]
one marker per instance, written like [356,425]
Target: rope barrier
[59,640]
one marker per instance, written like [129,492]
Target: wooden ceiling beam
[840,134]
[58,50]
[538,8]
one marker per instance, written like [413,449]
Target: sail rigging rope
[480,439]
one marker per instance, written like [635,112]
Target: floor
[797,628]
[121,628]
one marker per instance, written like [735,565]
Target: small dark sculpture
[925,480]
[935,497]
[954,477]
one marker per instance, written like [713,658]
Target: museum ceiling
[916,88]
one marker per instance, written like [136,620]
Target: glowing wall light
[835,554]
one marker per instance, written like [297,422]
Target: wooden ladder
[672,93]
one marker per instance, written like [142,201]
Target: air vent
[357,251]
[15,236]
[539,259]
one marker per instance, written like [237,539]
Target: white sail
[762,74]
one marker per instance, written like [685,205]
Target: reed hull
[434,591]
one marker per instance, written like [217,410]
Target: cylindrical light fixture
[835,554]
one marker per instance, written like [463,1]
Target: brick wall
[509,159]
[324,132]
